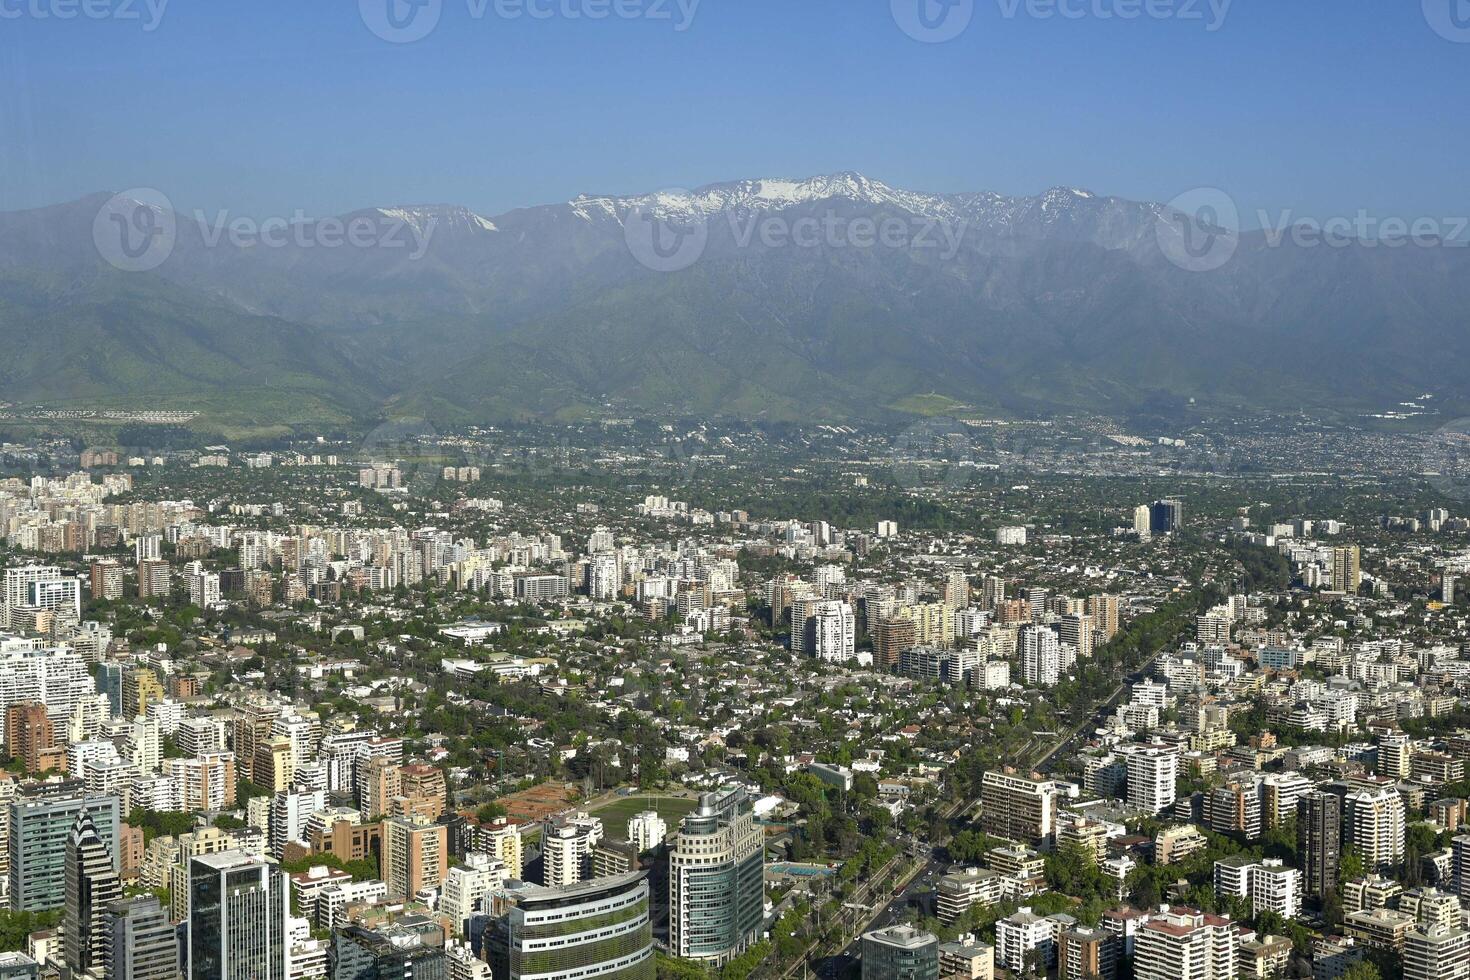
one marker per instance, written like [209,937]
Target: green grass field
[615,816]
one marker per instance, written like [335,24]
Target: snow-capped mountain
[1067,298]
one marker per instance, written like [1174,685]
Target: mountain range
[832,298]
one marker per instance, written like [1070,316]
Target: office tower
[1041,656]
[1165,516]
[40,828]
[1373,823]
[1319,841]
[716,888]
[392,953]
[1076,631]
[1347,572]
[1183,944]
[598,928]
[415,856]
[28,733]
[900,953]
[108,679]
[237,914]
[647,831]
[17,582]
[92,884]
[55,594]
[1152,772]
[1018,808]
[143,943]
[1436,952]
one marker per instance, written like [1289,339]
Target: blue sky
[267,107]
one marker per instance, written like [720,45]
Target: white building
[1041,656]
[1152,772]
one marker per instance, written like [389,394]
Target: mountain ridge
[1068,300]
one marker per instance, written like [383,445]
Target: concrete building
[900,953]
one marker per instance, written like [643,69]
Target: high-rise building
[1077,632]
[1084,953]
[956,589]
[501,839]
[1373,823]
[1018,808]
[1347,571]
[1437,952]
[155,578]
[40,828]
[890,638]
[832,632]
[1319,841]
[92,883]
[1041,656]
[598,928]
[143,944]
[716,886]
[900,953]
[1165,516]
[140,688]
[1152,773]
[1395,756]
[415,855]
[1104,610]
[566,849]
[1184,944]
[107,579]
[466,885]
[647,831]
[29,732]
[237,911]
